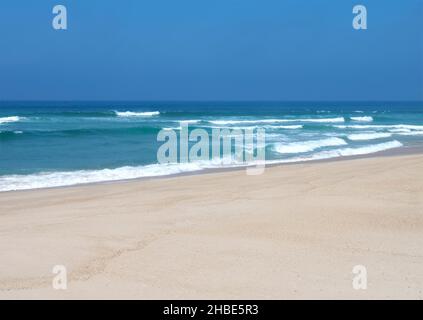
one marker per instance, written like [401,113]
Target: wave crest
[10,119]
[136,114]
[362,119]
[357,151]
[306,146]
[368,136]
[318,120]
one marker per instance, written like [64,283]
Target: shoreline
[404,150]
[294,232]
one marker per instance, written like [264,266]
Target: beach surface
[294,232]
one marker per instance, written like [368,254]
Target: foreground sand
[294,232]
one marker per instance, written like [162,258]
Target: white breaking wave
[399,130]
[68,178]
[411,133]
[368,136]
[375,126]
[344,152]
[290,127]
[57,179]
[189,121]
[136,114]
[10,119]
[364,119]
[270,127]
[320,120]
[306,146]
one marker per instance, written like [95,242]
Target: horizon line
[208,100]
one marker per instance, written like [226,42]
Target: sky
[305,50]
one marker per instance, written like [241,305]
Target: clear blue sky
[211,50]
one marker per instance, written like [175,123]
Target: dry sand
[294,232]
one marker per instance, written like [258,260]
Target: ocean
[50,144]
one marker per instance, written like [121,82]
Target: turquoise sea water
[46,144]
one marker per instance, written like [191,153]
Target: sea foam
[55,179]
[376,126]
[344,152]
[289,127]
[411,133]
[306,146]
[189,121]
[254,127]
[368,136]
[363,119]
[69,178]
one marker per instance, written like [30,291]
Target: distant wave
[363,119]
[82,132]
[230,122]
[74,114]
[375,126]
[270,127]
[136,114]
[182,122]
[306,146]
[289,127]
[318,120]
[188,121]
[368,136]
[322,120]
[9,134]
[10,119]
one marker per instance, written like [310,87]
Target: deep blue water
[62,143]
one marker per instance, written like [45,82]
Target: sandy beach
[295,232]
